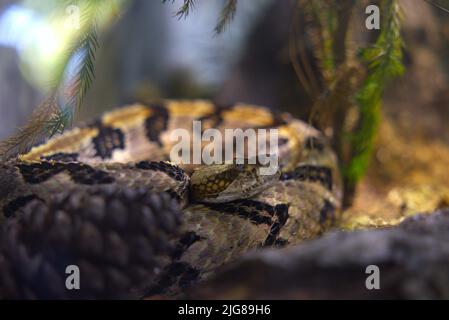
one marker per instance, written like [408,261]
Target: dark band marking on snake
[157,123]
[177,272]
[108,140]
[280,242]
[217,117]
[281,214]
[327,212]
[253,211]
[173,171]
[84,174]
[11,208]
[39,172]
[186,241]
[313,143]
[80,173]
[311,173]
[62,157]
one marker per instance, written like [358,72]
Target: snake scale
[130,148]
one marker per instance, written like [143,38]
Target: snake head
[228,182]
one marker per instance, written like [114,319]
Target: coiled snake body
[128,148]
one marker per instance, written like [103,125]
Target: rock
[413,260]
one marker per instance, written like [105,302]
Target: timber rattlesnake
[126,150]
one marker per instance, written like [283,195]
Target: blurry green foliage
[384,60]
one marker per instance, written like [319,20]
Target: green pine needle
[226,16]
[86,70]
[185,9]
[86,45]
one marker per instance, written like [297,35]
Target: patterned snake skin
[128,148]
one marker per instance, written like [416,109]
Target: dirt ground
[408,175]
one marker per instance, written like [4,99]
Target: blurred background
[148,52]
